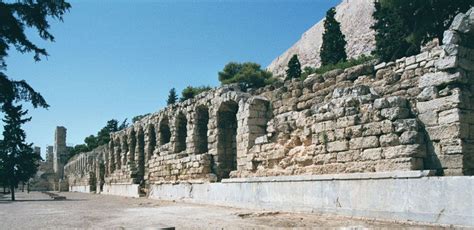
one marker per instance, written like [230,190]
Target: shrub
[247,75]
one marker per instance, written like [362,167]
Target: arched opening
[181,132]
[151,142]
[111,156]
[165,133]
[118,153]
[202,120]
[226,160]
[132,145]
[125,150]
[141,155]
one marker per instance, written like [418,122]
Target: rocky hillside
[355,17]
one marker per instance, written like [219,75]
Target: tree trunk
[22,187]
[12,190]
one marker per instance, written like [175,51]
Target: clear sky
[118,59]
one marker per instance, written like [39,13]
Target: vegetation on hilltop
[247,75]
[402,27]
[191,91]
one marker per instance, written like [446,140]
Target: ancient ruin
[413,114]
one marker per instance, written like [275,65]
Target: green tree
[190,92]
[16,16]
[172,97]
[19,161]
[294,68]
[402,27]
[102,137]
[333,49]
[247,75]
[139,117]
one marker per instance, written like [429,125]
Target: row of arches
[193,133]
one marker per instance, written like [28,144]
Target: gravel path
[37,211]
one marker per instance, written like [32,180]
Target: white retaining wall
[128,190]
[80,188]
[396,195]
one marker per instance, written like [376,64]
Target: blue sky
[118,59]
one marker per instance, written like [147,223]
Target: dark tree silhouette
[402,27]
[172,97]
[294,68]
[333,49]
[19,161]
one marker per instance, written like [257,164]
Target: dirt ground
[37,211]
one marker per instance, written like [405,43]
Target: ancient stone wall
[412,114]
[84,170]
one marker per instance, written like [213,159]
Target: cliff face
[356,19]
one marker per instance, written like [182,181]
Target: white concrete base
[440,200]
[128,190]
[80,188]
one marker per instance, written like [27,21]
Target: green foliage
[333,49]
[190,92]
[398,35]
[294,68]
[139,117]
[102,137]
[341,65]
[247,75]
[18,160]
[172,97]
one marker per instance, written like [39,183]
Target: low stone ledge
[328,177]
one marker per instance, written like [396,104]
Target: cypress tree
[172,97]
[333,49]
[294,68]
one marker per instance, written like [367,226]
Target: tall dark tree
[333,49]
[402,27]
[172,97]
[19,161]
[16,158]
[294,68]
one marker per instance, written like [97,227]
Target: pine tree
[294,68]
[19,161]
[333,49]
[172,97]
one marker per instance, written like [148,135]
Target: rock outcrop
[356,19]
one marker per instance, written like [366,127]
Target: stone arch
[226,159]
[118,153]
[201,130]
[132,143]
[151,141]
[125,150]
[140,156]
[181,132]
[258,117]
[165,132]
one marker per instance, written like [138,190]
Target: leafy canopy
[247,75]
[333,49]
[102,137]
[190,92]
[402,27]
